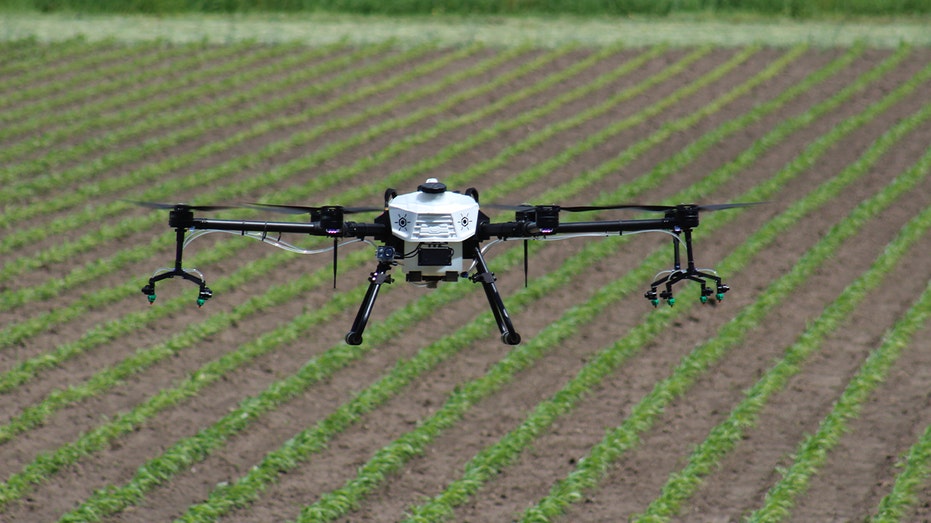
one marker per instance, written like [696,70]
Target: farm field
[803,396]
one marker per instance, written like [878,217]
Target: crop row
[92,240]
[149,173]
[724,436]
[84,70]
[153,108]
[681,485]
[495,457]
[537,128]
[320,183]
[273,464]
[812,452]
[39,323]
[112,377]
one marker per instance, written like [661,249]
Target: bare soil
[857,474]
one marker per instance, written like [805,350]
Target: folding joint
[483,277]
[380,278]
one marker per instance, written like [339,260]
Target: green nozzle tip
[151,298]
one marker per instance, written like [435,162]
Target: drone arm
[530,230]
[616,226]
[377,231]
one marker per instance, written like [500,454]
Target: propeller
[303,209]
[182,206]
[664,208]
[652,208]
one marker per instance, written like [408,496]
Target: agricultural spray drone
[433,232]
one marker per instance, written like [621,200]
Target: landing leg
[482,275]
[376,279]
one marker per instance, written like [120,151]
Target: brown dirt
[858,473]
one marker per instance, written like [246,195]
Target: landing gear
[509,335]
[385,256]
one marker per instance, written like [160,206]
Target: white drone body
[433,223]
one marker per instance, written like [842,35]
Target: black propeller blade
[659,208]
[182,206]
[652,208]
[303,209]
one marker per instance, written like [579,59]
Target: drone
[435,235]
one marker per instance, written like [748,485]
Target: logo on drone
[402,222]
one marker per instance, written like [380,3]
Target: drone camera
[385,253]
